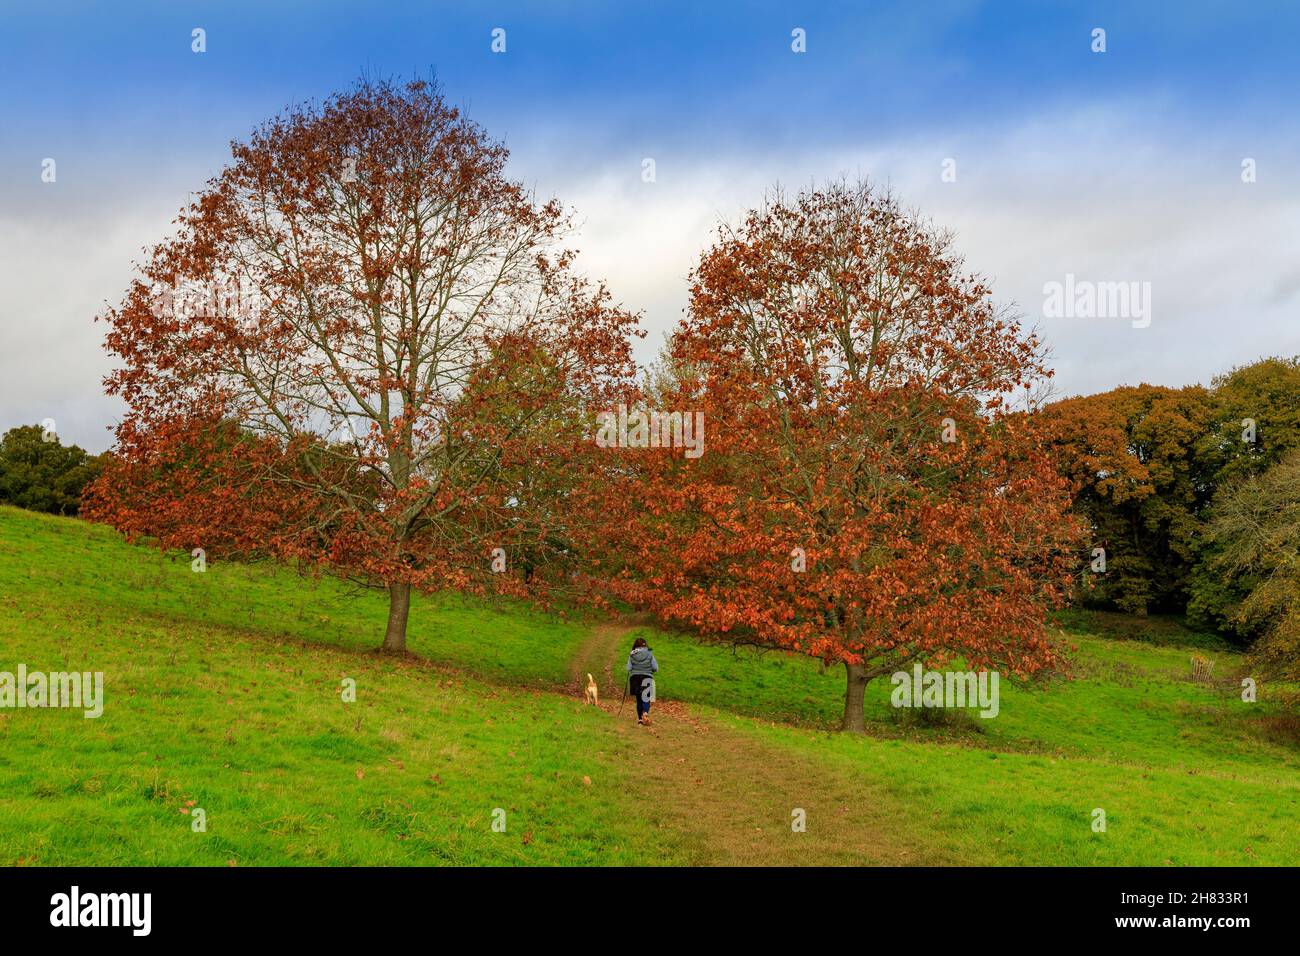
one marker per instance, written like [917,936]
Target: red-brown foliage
[831,343]
[364,347]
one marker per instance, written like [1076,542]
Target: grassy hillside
[224,693]
[212,696]
[1123,701]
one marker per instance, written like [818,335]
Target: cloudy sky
[1116,166]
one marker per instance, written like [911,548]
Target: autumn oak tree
[862,499]
[364,348]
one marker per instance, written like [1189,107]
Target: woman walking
[641,667]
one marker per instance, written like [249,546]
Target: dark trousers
[643,688]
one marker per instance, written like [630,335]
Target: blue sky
[1123,165]
[670,67]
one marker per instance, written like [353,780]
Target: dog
[593,693]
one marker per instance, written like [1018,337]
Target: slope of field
[214,701]
[224,692]
[1186,773]
[1123,701]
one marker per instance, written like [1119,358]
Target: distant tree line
[1193,495]
[39,473]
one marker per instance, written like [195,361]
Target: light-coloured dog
[593,693]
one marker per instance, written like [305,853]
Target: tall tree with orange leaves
[364,349]
[862,498]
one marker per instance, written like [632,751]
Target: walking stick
[624,700]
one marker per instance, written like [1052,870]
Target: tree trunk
[854,717]
[399,608]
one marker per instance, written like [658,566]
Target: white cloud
[1095,192]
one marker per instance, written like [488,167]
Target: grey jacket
[642,661]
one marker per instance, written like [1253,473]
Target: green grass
[1187,773]
[256,734]
[78,565]
[1008,808]
[784,687]
[224,693]
[206,702]
[1123,701]
[1163,630]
